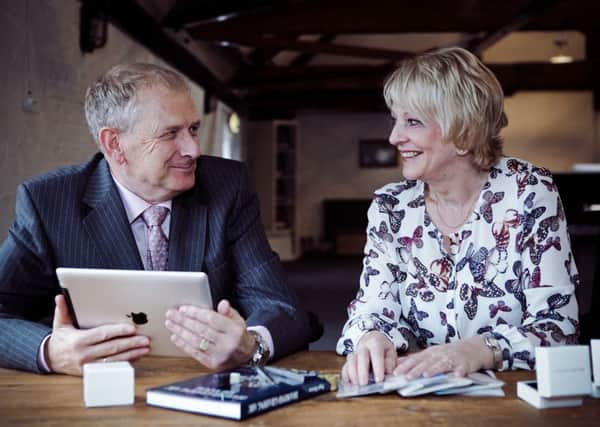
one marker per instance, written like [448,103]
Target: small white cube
[563,370]
[595,349]
[107,384]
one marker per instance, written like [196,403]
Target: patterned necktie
[158,245]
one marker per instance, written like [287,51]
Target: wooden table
[30,399]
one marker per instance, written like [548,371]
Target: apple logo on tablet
[138,318]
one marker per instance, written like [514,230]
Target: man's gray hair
[111,101]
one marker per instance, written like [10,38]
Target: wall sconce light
[233,122]
[561,57]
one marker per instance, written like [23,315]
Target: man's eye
[169,134]
[194,130]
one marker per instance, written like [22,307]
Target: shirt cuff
[266,336]
[41,359]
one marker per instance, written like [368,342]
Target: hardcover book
[238,393]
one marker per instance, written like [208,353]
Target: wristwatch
[262,353]
[493,344]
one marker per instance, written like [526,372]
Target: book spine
[311,389]
[250,409]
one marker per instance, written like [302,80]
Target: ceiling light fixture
[561,57]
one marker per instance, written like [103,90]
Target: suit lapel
[107,225]
[187,234]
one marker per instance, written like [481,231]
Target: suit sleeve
[27,287]
[262,291]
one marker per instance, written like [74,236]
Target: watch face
[261,355]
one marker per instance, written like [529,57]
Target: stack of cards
[477,384]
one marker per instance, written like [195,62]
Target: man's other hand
[68,348]
[217,339]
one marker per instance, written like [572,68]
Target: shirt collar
[134,204]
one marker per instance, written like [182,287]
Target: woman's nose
[397,136]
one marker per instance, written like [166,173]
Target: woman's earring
[461,152]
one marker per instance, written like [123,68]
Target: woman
[469,256]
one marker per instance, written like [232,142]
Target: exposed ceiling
[269,58]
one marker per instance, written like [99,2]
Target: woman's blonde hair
[453,88]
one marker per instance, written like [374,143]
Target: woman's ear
[108,138]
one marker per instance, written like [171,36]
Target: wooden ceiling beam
[365,93]
[263,56]
[527,76]
[133,20]
[315,47]
[375,16]
[533,9]
[304,58]
[393,16]
[214,11]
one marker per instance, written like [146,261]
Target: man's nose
[189,145]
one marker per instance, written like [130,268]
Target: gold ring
[203,346]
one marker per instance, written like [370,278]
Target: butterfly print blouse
[508,271]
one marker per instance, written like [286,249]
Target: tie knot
[155,215]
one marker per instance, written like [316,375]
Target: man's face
[161,148]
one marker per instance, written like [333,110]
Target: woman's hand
[374,349]
[461,357]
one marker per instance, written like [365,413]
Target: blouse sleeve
[546,277]
[377,303]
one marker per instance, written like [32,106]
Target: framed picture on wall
[377,153]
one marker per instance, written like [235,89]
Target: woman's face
[424,155]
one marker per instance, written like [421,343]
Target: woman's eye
[413,122]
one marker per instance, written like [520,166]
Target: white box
[595,349]
[563,371]
[528,391]
[107,384]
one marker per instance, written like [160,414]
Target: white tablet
[100,296]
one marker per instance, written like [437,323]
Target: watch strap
[493,344]
[262,353]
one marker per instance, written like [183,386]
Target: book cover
[237,393]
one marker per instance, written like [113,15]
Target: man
[97,215]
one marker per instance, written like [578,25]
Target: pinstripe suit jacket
[74,217]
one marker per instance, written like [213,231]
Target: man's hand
[217,339]
[68,348]
[373,350]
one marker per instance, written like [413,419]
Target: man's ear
[111,145]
